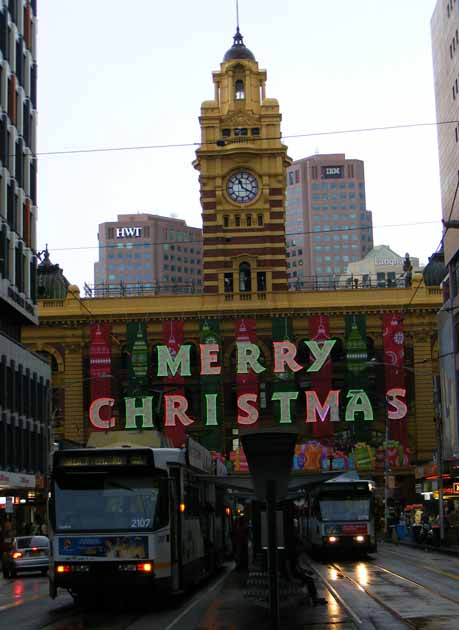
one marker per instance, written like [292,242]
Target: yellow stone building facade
[242,164]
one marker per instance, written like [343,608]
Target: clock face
[242,187]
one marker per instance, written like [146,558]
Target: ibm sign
[331,172]
[128,232]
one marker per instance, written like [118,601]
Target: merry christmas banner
[246,377]
[137,349]
[319,331]
[282,335]
[357,371]
[175,403]
[211,386]
[394,372]
[100,366]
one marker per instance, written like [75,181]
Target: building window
[245,279]
[226,133]
[249,220]
[260,219]
[239,90]
[255,131]
[237,220]
[226,221]
[261,281]
[240,131]
[228,282]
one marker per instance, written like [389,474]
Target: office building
[24,376]
[148,252]
[327,221]
[445,54]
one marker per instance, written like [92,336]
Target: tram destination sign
[140,411]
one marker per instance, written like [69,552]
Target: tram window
[112,503]
[345,509]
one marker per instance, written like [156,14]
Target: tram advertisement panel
[104,547]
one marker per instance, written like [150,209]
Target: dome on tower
[435,270]
[238,50]
[51,282]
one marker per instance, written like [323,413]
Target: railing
[123,289]
[329,282]
[324,282]
[53,303]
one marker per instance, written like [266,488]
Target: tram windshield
[101,502]
[345,509]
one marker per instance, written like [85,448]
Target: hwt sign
[126,232]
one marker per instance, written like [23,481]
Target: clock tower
[242,164]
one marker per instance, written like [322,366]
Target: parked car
[27,553]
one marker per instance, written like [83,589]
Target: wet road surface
[399,587]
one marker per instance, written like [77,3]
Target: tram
[135,518]
[340,515]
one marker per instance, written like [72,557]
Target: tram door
[175,529]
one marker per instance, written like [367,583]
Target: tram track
[392,591]
[373,596]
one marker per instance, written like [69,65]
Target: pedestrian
[295,568]
[241,544]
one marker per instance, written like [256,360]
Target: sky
[116,74]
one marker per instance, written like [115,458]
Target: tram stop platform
[237,603]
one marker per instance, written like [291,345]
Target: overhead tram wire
[252,139]
[188,243]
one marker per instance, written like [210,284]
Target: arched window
[239,90]
[245,279]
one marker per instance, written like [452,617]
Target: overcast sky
[115,74]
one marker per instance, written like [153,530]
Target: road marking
[22,601]
[187,610]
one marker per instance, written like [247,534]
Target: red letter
[94,414]
[209,352]
[285,353]
[175,406]
[400,406]
[243,404]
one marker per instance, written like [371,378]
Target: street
[398,587]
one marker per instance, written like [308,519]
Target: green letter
[320,351]
[285,398]
[180,362]
[144,411]
[359,401]
[211,410]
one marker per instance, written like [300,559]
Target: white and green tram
[134,518]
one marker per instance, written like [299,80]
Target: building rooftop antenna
[237,15]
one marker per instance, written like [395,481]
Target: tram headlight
[332,539]
[359,538]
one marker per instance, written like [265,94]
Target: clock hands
[239,181]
